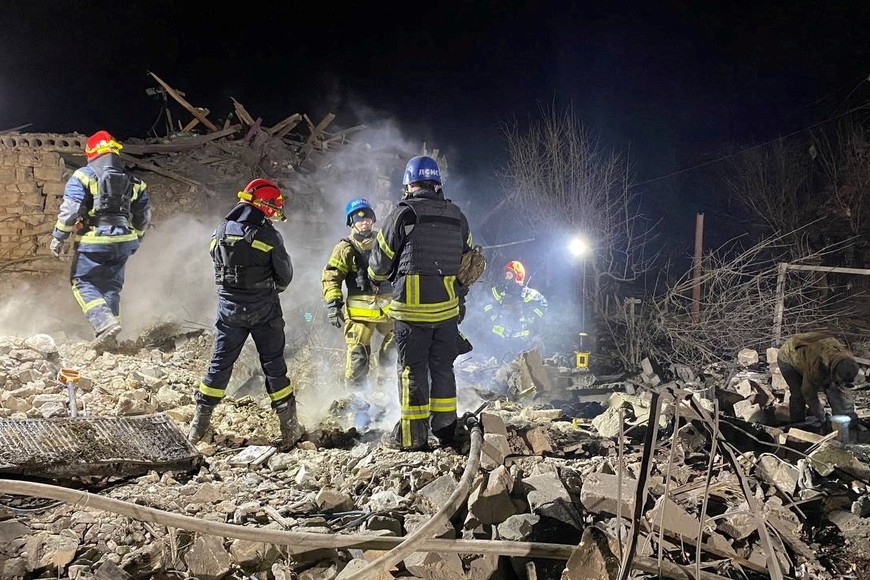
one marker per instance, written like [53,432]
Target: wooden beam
[316,132]
[283,127]
[185,144]
[190,108]
[341,136]
[194,122]
[160,171]
[835,269]
[243,115]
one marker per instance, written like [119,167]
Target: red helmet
[101,143]
[264,195]
[517,270]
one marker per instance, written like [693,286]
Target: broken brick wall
[34,168]
[32,177]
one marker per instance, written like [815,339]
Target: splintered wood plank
[243,114]
[181,101]
[194,122]
[283,127]
[320,128]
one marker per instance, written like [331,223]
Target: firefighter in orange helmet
[104,213]
[251,268]
[515,310]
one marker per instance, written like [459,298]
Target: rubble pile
[771,501]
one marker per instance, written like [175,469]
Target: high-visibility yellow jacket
[366,301]
[515,312]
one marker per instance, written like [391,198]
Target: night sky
[676,82]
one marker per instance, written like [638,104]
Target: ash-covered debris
[545,476]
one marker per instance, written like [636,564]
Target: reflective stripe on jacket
[76,214]
[343,268]
[250,259]
[423,272]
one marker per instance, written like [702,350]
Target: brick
[53,188]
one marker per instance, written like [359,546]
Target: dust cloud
[170,279]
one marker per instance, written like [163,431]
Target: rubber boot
[200,423]
[105,337]
[291,430]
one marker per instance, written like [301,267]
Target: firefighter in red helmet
[251,268]
[104,214]
[515,310]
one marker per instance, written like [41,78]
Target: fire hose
[412,542]
[300,541]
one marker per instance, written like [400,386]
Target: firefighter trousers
[97,278]
[427,385]
[231,333]
[358,337]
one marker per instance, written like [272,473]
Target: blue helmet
[358,207]
[421,168]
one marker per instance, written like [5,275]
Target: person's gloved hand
[461,312]
[58,248]
[336,316]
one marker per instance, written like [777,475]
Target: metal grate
[93,446]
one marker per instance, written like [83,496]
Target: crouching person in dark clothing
[814,362]
[251,268]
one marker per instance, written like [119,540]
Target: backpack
[115,191]
[471,267]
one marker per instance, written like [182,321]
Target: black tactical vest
[434,245]
[235,261]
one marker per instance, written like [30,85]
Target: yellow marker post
[581,355]
[70,377]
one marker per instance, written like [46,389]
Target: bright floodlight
[578,246]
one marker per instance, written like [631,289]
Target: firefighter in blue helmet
[363,312]
[419,249]
[251,267]
[104,213]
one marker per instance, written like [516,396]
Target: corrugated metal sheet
[93,446]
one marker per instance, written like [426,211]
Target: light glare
[578,246]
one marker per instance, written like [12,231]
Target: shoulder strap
[357,255]
[408,227]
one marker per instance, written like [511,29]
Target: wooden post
[780,303]
[699,252]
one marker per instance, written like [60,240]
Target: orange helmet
[264,195]
[101,143]
[517,270]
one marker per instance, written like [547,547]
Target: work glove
[58,248]
[333,310]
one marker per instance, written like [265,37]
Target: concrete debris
[548,473]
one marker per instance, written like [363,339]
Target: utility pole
[698,262]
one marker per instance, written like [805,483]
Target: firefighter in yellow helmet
[362,311]
[515,311]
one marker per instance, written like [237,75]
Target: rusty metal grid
[93,446]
